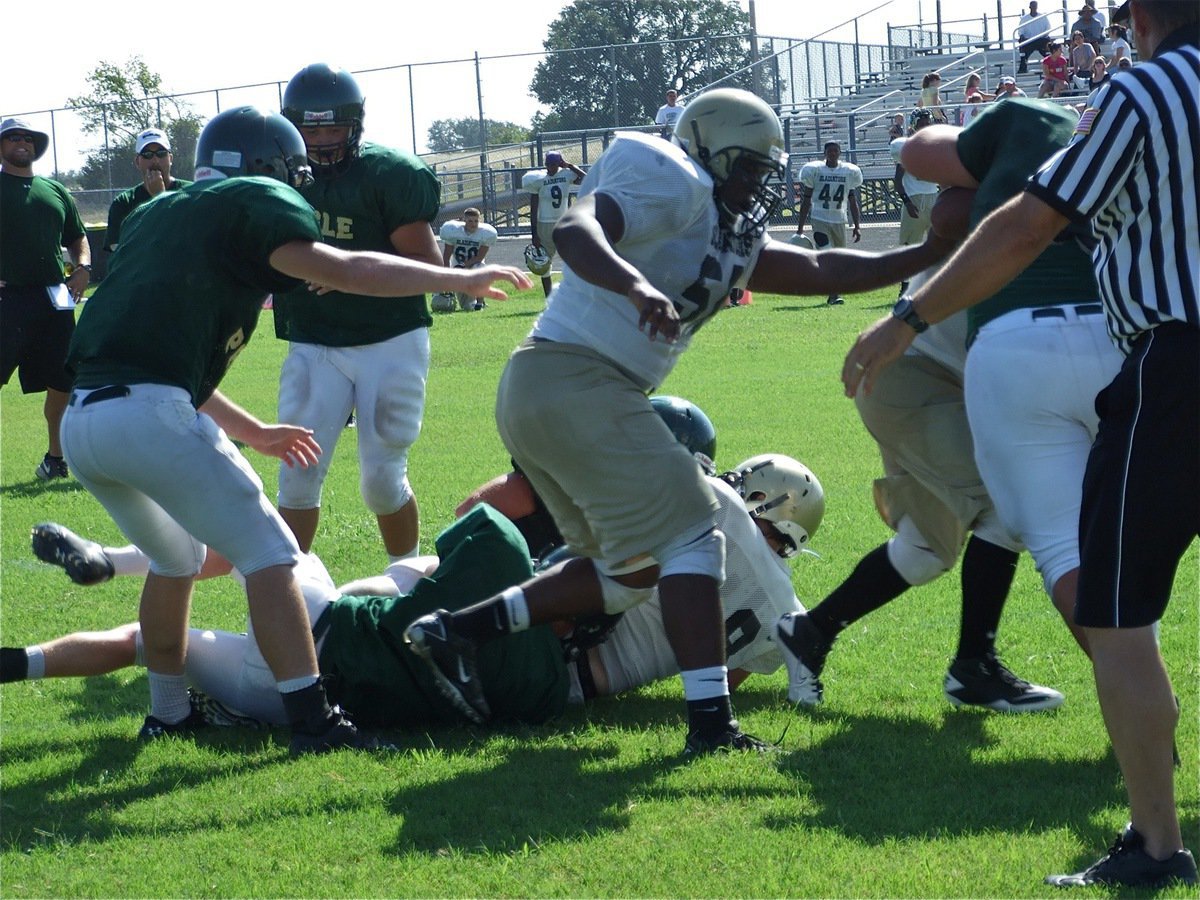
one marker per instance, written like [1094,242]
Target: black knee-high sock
[14,664]
[483,621]
[987,575]
[873,583]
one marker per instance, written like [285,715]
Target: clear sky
[271,41]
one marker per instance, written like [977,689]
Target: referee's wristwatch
[904,311]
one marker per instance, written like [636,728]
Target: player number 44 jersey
[830,188]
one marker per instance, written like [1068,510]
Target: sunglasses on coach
[154,154]
[19,138]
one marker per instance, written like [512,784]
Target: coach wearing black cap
[38,218]
[152,158]
[1125,188]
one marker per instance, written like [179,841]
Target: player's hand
[876,348]
[77,285]
[478,282]
[294,445]
[154,182]
[856,233]
[910,208]
[657,314]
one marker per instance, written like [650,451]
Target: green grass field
[886,791]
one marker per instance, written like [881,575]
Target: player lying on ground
[526,677]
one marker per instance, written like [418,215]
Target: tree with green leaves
[122,100]
[633,51]
[447,135]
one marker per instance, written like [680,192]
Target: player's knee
[385,490]
[300,488]
[184,560]
[702,554]
[916,562]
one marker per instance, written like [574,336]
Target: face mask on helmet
[738,140]
[246,140]
[322,101]
[691,427]
[537,260]
[785,493]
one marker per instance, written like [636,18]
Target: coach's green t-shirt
[1002,147]
[359,208]
[384,684]
[37,217]
[184,292]
[125,203]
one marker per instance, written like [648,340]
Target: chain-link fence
[574,99]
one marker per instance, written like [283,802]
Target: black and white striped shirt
[1129,178]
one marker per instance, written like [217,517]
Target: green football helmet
[246,140]
[320,95]
[691,427]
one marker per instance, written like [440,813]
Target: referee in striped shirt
[1126,186]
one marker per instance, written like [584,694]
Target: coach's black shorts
[34,336]
[1141,490]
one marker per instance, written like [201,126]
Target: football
[951,214]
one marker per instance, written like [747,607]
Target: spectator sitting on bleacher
[1007,87]
[1034,34]
[1099,77]
[1120,47]
[896,129]
[973,82]
[1091,23]
[1054,71]
[1082,56]
[931,99]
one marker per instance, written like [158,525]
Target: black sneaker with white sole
[805,647]
[154,728]
[726,740]
[341,734]
[985,681]
[52,467]
[1128,864]
[451,658]
[84,561]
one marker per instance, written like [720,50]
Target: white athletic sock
[291,685]
[36,663]
[168,697]
[128,560]
[411,554]
[518,609]
[704,684]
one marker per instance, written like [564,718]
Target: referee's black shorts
[34,337]
[1141,490]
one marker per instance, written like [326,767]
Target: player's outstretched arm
[384,275]
[290,443]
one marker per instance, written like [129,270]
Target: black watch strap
[904,311]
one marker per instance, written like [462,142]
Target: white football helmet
[537,260]
[733,134]
[784,492]
[444,301]
[802,240]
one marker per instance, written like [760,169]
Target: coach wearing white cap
[152,158]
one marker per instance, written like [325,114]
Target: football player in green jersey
[370,356]
[145,428]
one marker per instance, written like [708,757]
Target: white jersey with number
[552,192]
[757,591]
[673,237]
[466,244]
[831,187]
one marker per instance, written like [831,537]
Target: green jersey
[359,208]
[37,217]
[1002,147]
[386,685]
[184,292]
[125,203]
